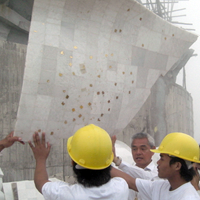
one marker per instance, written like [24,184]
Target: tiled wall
[93,62]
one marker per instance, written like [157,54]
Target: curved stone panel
[92,61]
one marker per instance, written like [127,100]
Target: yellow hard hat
[91,147]
[179,145]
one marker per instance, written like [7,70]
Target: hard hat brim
[173,154]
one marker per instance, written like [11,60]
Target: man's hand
[9,140]
[196,178]
[41,151]
[116,160]
[40,148]
[113,138]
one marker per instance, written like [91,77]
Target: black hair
[90,178]
[186,174]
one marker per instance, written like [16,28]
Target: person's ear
[72,162]
[178,165]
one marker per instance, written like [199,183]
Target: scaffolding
[166,10]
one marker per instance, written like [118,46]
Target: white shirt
[150,172]
[159,190]
[115,189]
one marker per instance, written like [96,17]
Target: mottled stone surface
[92,62]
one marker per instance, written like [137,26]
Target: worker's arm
[41,151]
[130,180]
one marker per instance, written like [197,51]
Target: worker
[90,149]
[177,153]
[144,166]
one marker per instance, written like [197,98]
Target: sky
[193,66]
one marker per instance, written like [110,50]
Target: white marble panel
[52,40]
[29,87]
[32,74]
[37,35]
[152,76]
[58,3]
[42,4]
[93,61]
[34,58]
[27,106]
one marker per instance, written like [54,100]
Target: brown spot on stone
[73,109]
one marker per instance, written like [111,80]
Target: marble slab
[92,61]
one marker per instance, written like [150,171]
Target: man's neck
[176,182]
[142,166]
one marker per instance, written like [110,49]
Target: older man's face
[141,152]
